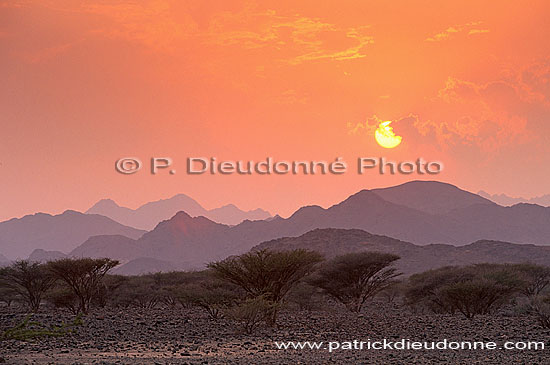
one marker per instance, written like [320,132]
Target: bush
[536,278]
[306,297]
[8,295]
[392,292]
[167,285]
[84,277]
[138,291]
[213,296]
[29,280]
[106,290]
[423,290]
[354,278]
[541,308]
[269,274]
[470,290]
[252,312]
[30,330]
[63,297]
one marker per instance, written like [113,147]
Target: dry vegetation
[249,292]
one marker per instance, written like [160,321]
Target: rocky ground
[188,336]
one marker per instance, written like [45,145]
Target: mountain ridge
[148,215]
[198,240]
[62,232]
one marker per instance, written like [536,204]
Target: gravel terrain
[188,336]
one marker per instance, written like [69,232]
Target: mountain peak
[181,215]
[104,204]
[434,197]
[305,211]
[362,197]
[71,212]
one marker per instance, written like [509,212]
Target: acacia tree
[424,289]
[470,290]
[213,296]
[8,295]
[536,278]
[28,279]
[353,278]
[270,274]
[83,276]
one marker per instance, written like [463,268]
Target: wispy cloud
[452,31]
[478,31]
[168,25]
[487,116]
[297,38]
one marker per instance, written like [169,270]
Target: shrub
[84,276]
[30,330]
[392,292]
[269,274]
[168,284]
[106,290]
[29,280]
[63,297]
[8,295]
[138,291]
[353,278]
[536,278]
[423,290]
[541,308]
[470,290]
[474,297]
[252,312]
[306,297]
[213,296]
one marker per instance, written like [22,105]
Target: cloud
[478,31]
[479,119]
[535,81]
[371,124]
[368,127]
[171,26]
[452,31]
[487,116]
[296,38]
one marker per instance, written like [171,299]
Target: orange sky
[87,82]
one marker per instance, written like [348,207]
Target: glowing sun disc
[385,136]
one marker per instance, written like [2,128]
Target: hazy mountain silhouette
[505,200]
[150,214]
[430,196]
[231,215]
[430,213]
[116,247]
[145,265]
[62,232]
[464,218]
[40,255]
[414,258]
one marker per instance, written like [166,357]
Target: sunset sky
[84,83]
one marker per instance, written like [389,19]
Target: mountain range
[331,242]
[414,259]
[417,212]
[429,213]
[505,200]
[62,232]
[150,214]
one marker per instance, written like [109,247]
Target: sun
[386,137]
